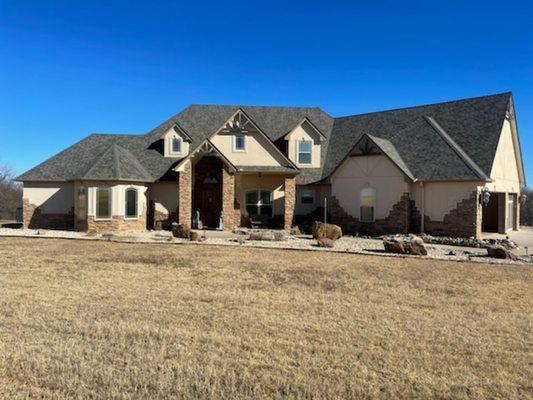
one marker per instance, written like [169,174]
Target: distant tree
[526,212]
[10,194]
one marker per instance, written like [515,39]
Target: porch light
[523,199]
[484,197]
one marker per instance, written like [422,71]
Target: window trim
[176,137]
[373,205]
[310,152]
[126,216]
[313,195]
[110,217]
[258,191]
[235,149]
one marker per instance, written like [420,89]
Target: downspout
[422,206]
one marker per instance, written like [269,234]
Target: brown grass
[112,320]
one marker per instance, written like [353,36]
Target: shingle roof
[451,140]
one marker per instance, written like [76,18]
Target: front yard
[81,319]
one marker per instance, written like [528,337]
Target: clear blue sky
[69,68]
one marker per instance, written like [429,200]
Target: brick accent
[33,218]
[398,220]
[185,195]
[290,201]
[118,223]
[228,200]
[462,221]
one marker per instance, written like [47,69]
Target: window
[304,151]
[367,205]
[239,142]
[176,145]
[259,202]
[130,206]
[307,196]
[103,203]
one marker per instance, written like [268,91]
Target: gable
[506,167]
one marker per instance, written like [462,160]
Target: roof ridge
[455,147]
[426,105]
[96,161]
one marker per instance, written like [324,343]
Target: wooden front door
[207,193]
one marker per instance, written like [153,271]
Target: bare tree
[526,212]
[10,194]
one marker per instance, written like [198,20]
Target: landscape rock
[499,251]
[295,230]
[264,236]
[330,231]
[412,245]
[326,242]
[194,236]
[180,231]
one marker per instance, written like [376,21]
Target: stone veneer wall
[228,200]
[290,201]
[398,220]
[33,218]
[185,195]
[118,223]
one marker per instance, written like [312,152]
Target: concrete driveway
[523,237]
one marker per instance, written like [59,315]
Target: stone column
[185,195]
[228,199]
[290,201]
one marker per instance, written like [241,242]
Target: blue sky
[70,68]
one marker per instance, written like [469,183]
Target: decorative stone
[194,236]
[180,231]
[330,231]
[498,251]
[325,242]
[405,245]
[295,230]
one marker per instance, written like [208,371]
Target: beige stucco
[118,191]
[165,196]
[274,183]
[304,131]
[50,197]
[320,192]
[167,144]
[376,171]
[505,169]
[259,150]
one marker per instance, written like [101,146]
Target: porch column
[290,201]
[228,200]
[185,195]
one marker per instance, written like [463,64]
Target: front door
[207,193]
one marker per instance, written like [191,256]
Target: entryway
[207,192]
[499,215]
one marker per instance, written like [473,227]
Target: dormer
[176,142]
[304,144]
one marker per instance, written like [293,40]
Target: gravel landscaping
[347,244]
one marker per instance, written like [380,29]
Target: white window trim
[310,152]
[171,145]
[258,191]
[137,201]
[373,206]
[96,217]
[314,197]
[235,149]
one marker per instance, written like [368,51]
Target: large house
[452,168]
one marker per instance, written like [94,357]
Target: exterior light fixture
[484,197]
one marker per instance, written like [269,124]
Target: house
[452,168]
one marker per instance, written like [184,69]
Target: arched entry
[207,192]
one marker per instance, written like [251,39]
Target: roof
[454,140]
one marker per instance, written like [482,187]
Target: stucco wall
[165,196]
[167,143]
[259,151]
[304,132]
[118,197]
[50,197]
[320,191]
[505,168]
[375,171]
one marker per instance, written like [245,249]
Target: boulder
[264,236]
[401,245]
[497,251]
[325,242]
[330,231]
[194,236]
[181,231]
[295,230]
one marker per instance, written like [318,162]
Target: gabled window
[176,145]
[304,151]
[367,204]
[259,202]
[239,142]
[307,196]
[130,206]
[103,203]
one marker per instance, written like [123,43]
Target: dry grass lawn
[83,319]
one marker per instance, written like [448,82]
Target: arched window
[131,203]
[176,144]
[367,204]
